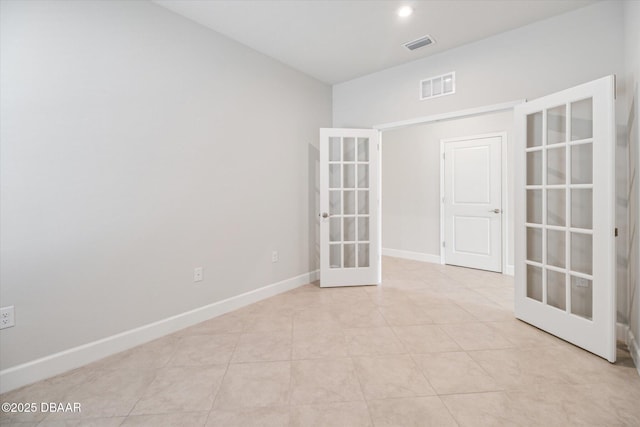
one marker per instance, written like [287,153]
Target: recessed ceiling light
[405,11]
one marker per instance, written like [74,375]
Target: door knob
[495,210]
[324,215]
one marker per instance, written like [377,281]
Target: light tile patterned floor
[435,345]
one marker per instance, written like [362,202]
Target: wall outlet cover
[7,317]
[198,274]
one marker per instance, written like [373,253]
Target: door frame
[459,114]
[433,118]
[503,191]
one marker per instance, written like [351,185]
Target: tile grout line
[364,396]
[290,389]
[217,392]
[417,365]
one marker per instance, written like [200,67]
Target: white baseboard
[49,366]
[625,334]
[621,332]
[634,349]
[415,256]
[435,259]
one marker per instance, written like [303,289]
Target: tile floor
[434,346]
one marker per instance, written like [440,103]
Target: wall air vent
[433,87]
[418,43]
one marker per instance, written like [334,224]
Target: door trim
[503,191]
[458,114]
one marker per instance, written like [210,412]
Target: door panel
[472,174]
[564,244]
[349,214]
[473,202]
[472,235]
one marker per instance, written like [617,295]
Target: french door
[564,218]
[349,207]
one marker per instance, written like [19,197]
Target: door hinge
[442,156]
[443,244]
[615,86]
[615,232]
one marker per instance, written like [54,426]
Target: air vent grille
[433,87]
[418,43]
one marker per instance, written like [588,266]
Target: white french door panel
[349,207]
[564,219]
[473,202]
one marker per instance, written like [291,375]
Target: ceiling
[335,40]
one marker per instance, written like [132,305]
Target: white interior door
[564,222]
[473,202]
[349,207]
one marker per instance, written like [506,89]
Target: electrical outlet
[274,256]
[198,274]
[7,317]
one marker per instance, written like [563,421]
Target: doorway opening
[412,180]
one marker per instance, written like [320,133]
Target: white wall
[411,181]
[632,100]
[528,62]
[137,145]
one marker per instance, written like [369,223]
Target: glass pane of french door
[349,175]
[559,207]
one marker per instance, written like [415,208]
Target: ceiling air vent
[418,43]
